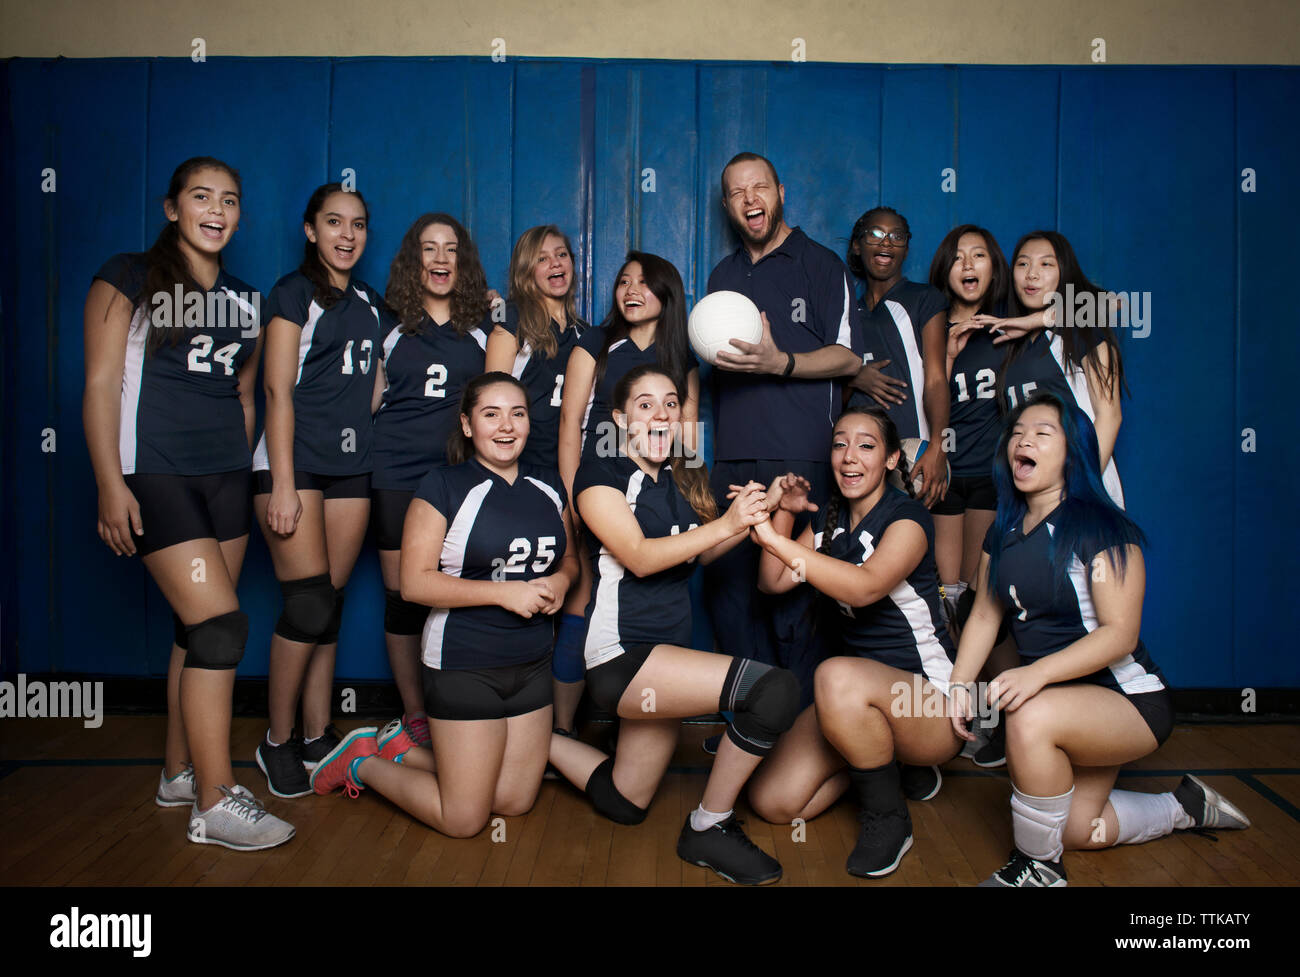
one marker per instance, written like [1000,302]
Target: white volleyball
[720,317]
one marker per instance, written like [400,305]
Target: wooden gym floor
[76,807]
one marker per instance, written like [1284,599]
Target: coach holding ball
[774,402]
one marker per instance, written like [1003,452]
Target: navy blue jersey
[624,608]
[495,531]
[973,405]
[426,373]
[1039,366]
[1049,613]
[624,356]
[544,377]
[180,409]
[337,353]
[893,331]
[804,289]
[904,629]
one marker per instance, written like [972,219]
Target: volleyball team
[912,501]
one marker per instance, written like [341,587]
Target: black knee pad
[308,606]
[179,636]
[218,642]
[764,701]
[331,633]
[403,616]
[606,799]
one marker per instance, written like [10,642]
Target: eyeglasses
[875,235]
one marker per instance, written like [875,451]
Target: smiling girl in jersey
[646,325]
[540,330]
[323,380]
[437,286]
[649,517]
[489,545]
[1078,363]
[169,424]
[904,326]
[1067,564]
[871,551]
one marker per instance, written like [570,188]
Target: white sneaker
[237,821]
[176,791]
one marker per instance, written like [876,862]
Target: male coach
[775,402]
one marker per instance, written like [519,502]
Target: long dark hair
[892,443]
[460,447]
[671,343]
[312,266]
[689,471]
[166,263]
[1075,341]
[861,224]
[405,292]
[1089,522]
[994,301]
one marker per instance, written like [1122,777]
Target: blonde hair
[534,320]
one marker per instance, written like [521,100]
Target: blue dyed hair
[1089,522]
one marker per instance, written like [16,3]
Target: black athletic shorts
[1157,709]
[487,693]
[388,515]
[177,508]
[607,682]
[967,492]
[331,486]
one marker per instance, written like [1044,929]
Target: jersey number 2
[433,387]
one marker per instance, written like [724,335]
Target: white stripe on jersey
[521,361]
[553,495]
[261,458]
[249,310]
[390,341]
[1077,381]
[934,660]
[480,337]
[1131,676]
[304,340]
[132,377]
[603,640]
[844,335]
[915,365]
[452,562]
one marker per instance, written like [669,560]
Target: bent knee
[772,807]
[464,824]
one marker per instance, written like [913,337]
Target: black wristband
[789,365]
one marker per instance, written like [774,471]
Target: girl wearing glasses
[905,327]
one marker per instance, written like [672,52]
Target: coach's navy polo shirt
[804,289]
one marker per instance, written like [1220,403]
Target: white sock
[1143,817]
[269,741]
[1038,823]
[312,739]
[702,820]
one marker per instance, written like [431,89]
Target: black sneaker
[882,842]
[1023,872]
[920,783]
[711,743]
[994,752]
[727,850]
[285,774]
[1206,806]
[321,747]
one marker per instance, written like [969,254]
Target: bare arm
[247,380]
[107,323]
[579,378]
[1105,402]
[278,378]
[502,348]
[606,513]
